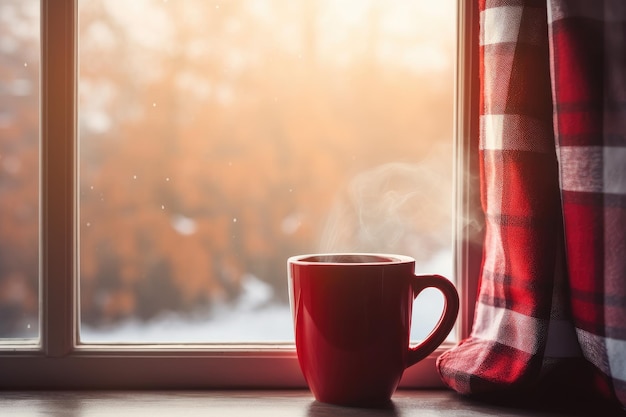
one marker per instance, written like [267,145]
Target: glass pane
[219,138]
[19,169]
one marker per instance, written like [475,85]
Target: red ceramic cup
[352,319]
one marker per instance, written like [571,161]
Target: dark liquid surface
[348,259]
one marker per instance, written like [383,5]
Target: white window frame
[58,361]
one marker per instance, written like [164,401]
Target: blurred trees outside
[19,167]
[218,138]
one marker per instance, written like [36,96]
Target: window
[19,176]
[216,140]
[74,125]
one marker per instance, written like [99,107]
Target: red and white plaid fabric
[553,190]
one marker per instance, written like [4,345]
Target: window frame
[59,362]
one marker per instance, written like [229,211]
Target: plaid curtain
[552,292]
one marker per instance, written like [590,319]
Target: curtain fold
[552,292]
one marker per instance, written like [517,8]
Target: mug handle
[448,316]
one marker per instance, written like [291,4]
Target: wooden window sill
[270,403]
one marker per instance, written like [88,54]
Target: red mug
[352,321]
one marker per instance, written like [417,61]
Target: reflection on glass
[219,138]
[19,169]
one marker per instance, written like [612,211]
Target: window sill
[292,403]
[163,369]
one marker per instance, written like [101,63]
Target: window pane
[219,138]
[19,169]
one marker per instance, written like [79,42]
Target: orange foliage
[213,152]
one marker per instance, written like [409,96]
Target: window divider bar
[469,224]
[58,177]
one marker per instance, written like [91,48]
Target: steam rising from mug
[393,208]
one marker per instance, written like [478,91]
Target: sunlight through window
[219,138]
[19,169]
